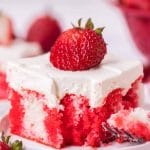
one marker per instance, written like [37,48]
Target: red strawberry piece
[44,30]
[4,146]
[142,4]
[78,48]
[6,29]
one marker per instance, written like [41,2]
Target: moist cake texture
[61,108]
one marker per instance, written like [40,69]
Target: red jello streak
[3,86]
[76,119]
[53,125]
[140,130]
[16,113]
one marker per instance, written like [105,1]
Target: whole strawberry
[79,48]
[44,30]
[6,29]
[141,4]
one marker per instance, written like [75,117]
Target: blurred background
[103,13]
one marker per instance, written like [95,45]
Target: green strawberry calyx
[16,145]
[88,25]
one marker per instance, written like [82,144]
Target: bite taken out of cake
[64,97]
[12,48]
[131,125]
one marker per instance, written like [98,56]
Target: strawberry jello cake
[64,97]
[12,48]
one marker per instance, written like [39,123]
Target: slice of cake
[11,49]
[58,107]
[66,99]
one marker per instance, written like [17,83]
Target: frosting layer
[39,75]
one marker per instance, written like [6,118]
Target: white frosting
[137,114]
[18,49]
[39,75]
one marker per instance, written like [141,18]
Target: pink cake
[61,108]
[17,49]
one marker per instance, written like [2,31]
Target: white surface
[29,145]
[18,49]
[37,74]
[147,93]
[4,107]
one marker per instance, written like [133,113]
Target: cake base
[31,145]
[76,124]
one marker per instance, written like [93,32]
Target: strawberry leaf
[17,145]
[79,22]
[4,138]
[89,24]
[99,30]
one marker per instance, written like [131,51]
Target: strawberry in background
[137,15]
[45,31]
[6,29]
[141,4]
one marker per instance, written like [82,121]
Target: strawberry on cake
[11,48]
[64,97]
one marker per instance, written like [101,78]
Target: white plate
[29,145]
